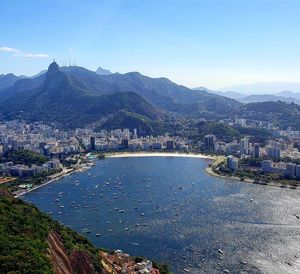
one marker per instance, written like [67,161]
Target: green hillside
[64,99]
[23,233]
[280,113]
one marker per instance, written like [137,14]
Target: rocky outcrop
[5,193]
[77,262]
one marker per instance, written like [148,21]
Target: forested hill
[32,243]
[281,114]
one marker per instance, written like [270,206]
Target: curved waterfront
[169,209]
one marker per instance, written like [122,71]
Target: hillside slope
[160,92]
[67,100]
[280,113]
[8,80]
[31,242]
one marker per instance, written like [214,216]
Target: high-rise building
[232,163]
[298,171]
[266,166]
[209,141]
[244,146]
[290,171]
[125,144]
[170,145]
[92,143]
[256,150]
[273,153]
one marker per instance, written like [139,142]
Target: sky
[194,43]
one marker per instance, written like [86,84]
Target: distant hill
[230,94]
[284,96]
[25,84]
[280,113]
[8,80]
[131,120]
[159,92]
[59,97]
[264,88]
[268,97]
[167,95]
[102,71]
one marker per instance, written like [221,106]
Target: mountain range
[75,96]
[273,87]
[59,97]
[256,93]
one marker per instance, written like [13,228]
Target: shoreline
[117,155]
[58,176]
[208,169]
[210,172]
[158,154]
[114,155]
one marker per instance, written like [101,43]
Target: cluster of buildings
[56,143]
[119,262]
[37,137]
[274,149]
[285,144]
[125,140]
[289,170]
[24,171]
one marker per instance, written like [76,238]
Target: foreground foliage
[24,157]
[23,233]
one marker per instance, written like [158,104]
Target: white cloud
[36,55]
[8,49]
[20,53]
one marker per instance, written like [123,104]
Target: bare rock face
[81,263]
[5,193]
[78,262]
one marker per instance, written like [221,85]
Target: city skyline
[259,41]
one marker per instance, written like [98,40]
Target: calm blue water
[170,210]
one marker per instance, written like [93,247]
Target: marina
[178,214]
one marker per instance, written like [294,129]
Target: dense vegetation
[23,157]
[220,130]
[257,135]
[34,180]
[74,97]
[66,100]
[280,113]
[23,233]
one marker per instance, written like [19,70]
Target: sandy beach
[116,155]
[158,154]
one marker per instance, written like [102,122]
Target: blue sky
[195,43]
